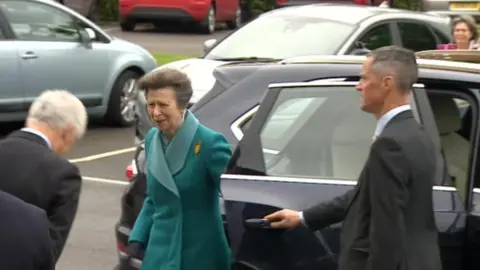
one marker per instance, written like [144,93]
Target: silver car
[45,45]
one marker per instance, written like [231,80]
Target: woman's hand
[135,250]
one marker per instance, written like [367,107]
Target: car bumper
[194,11]
[442,8]
[122,233]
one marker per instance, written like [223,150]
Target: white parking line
[104,180]
[103,155]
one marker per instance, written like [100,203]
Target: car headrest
[446,113]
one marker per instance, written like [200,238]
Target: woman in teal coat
[180,224]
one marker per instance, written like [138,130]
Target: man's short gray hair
[398,62]
[59,109]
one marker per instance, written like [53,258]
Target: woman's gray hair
[165,78]
[470,22]
[59,109]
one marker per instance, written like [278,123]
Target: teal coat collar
[164,165]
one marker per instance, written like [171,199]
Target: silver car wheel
[211,20]
[127,100]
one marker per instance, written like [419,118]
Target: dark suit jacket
[24,236]
[37,175]
[388,218]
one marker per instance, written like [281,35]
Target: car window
[317,132]
[416,36]
[282,37]
[39,22]
[453,116]
[377,37]
[442,37]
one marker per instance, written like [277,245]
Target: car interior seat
[455,147]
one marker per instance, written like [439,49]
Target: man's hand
[284,219]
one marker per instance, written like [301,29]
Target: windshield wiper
[249,59]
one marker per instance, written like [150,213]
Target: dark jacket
[388,218]
[24,236]
[37,175]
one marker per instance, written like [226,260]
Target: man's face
[372,87]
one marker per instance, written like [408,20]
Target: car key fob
[257,223]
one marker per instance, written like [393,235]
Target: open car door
[307,144]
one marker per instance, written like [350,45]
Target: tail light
[279,2]
[121,247]
[131,170]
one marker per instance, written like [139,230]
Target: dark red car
[204,13]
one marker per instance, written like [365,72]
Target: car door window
[34,21]
[441,37]
[416,36]
[377,37]
[453,116]
[318,133]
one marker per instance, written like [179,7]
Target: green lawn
[163,58]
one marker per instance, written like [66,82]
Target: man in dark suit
[25,240]
[388,218]
[32,167]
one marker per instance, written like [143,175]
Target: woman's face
[163,110]
[462,33]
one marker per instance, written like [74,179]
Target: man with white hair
[32,167]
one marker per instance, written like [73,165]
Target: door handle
[29,55]
[257,223]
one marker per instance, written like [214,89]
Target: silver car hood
[200,72]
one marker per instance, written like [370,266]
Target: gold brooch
[197,148]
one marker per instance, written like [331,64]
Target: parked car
[46,45]
[244,85]
[204,13]
[307,30]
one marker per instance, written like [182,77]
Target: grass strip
[163,58]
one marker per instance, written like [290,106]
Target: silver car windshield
[280,37]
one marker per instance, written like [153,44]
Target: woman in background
[180,224]
[465,32]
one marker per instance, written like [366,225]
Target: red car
[205,13]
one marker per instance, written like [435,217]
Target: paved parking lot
[175,40]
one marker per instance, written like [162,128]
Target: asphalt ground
[171,40]
[102,156]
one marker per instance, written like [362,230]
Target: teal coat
[180,222]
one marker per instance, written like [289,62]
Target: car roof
[470,56]
[423,62]
[353,14]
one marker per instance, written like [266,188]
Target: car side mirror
[87,35]
[208,44]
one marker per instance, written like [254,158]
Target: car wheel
[127,25]
[237,21]
[207,26]
[121,104]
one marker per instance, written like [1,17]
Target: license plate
[464,6]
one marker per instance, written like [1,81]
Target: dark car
[308,30]
[308,142]
[244,86]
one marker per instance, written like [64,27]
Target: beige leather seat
[455,147]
